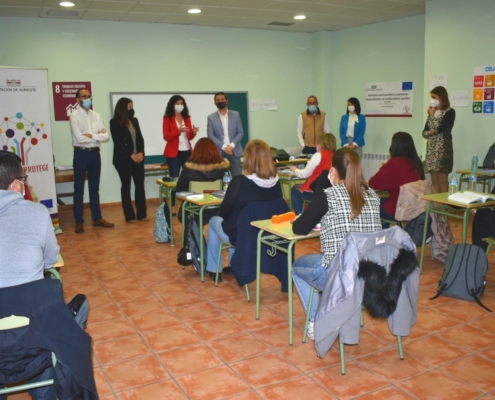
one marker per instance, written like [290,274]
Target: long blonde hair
[349,168]
[258,159]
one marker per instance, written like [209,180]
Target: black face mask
[130,113]
[221,105]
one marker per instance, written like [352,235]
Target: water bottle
[472,182]
[474,164]
[452,184]
[226,181]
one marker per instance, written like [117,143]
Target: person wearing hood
[28,245]
[259,182]
[225,129]
[311,124]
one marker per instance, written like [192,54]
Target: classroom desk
[485,175]
[442,198]
[287,180]
[165,189]
[280,234]
[196,207]
[156,169]
[291,162]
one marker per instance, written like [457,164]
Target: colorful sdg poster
[484,90]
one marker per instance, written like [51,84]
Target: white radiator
[372,163]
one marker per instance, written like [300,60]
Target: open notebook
[468,197]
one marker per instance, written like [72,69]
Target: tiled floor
[159,333]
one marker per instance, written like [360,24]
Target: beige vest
[312,127]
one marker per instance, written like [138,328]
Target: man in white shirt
[88,131]
[311,124]
[225,129]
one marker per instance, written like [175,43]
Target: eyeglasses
[23,178]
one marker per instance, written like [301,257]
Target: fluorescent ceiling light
[300,17]
[67,4]
[194,11]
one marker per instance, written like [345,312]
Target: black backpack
[464,276]
[489,161]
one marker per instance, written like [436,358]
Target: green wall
[459,37]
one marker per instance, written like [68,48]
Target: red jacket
[171,134]
[396,172]
[325,163]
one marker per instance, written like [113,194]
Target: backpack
[489,161]
[162,230]
[410,204]
[415,229]
[464,274]
[190,254]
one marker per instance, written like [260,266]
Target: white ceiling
[322,15]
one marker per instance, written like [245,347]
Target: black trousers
[127,170]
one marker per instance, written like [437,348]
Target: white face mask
[23,187]
[179,108]
[434,103]
[351,108]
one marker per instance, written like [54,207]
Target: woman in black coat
[128,157]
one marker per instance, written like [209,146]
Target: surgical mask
[86,103]
[23,187]
[130,113]
[221,105]
[330,179]
[351,108]
[179,108]
[312,109]
[434,103]
[318,148]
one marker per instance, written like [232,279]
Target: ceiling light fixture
[194,11]
[67,4]
[300,17]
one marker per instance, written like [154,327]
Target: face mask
[130,113]
[179,108]
[351,108]
[86,103]
[23,187]
[318,148]
[221,105]
[434,103]
[330,179]
[312,109]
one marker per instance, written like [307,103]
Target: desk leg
[425,232]
[465,222]
[201,247]
[169,200]
[289,288]
[159,195]
[184,205]
[258,274]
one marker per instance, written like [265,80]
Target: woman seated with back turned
[320,161]
[204,165]
[403,167]
[348,206]
[259,182]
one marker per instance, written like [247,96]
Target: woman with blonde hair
[259,182]
[320,161]
[348,206]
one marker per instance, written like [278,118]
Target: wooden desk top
[155,167]
[170,184]
[480,172]
[443,199]
[64,176]
[295,161]
[283,229]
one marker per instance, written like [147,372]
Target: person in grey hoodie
[28,244]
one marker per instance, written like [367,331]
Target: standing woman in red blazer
[178,132]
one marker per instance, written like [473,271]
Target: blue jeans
[235,163]
[176,163]
[298,198]
[86,162]
[307,272]
[216,236]
[384,214]
[48,392]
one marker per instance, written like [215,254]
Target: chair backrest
[199,187]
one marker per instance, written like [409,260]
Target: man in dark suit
[225,129]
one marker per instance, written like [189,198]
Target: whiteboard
[150,108]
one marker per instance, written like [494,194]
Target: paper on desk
[64,167]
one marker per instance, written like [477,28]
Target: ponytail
[348,165]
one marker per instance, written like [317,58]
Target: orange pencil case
[283,217]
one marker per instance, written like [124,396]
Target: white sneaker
[311,330]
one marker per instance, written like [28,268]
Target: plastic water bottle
[226,181]
[474,164]
[472,181]
[452,184]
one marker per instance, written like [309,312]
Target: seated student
[483,226]
[403,167]
[28,244]
[320,161]
[204,165]
[348,206]
[259,182]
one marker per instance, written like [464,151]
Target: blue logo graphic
[488,107]
[47,203]
[407,85]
